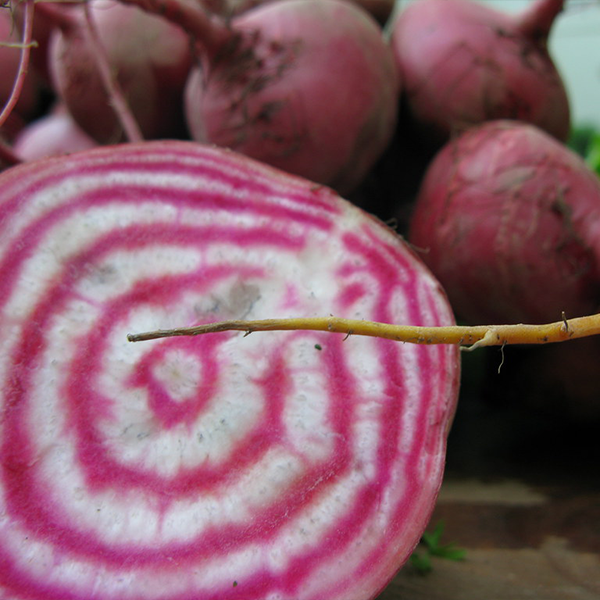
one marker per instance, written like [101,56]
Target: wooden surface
[521,494]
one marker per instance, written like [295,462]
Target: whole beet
[310,88]
[508,219]
[150,57]
[463,62]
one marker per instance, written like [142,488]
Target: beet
[51,135]
[150,56]
[509,221]
[462,63]
[297,466]
[309,87]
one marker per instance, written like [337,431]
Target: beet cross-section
[292,466]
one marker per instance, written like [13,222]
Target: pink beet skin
[463,63]
[296,465]
[312,89]
[52,135]
[509,221]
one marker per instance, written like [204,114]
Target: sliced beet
[296,465]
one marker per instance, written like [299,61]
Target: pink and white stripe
[278,466]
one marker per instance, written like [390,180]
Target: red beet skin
[296,465]
[508,220]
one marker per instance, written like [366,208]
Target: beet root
[150,57]
[311,89]
[30,96]
[509,221]
[463,63]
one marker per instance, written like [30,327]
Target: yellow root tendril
[466,336]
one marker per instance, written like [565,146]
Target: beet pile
[308,87]
[168,163]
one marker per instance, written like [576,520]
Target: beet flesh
[509,221]
[296,465]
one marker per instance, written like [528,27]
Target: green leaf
[433,547]
[432,540]
[421,562]
[449,552]
[593,153]
[580,139]
[585,141]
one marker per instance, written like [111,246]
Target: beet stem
[27,42]
[56,15]
[209,33]
[466,336]
[536,21]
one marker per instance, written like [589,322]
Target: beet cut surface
[293,465]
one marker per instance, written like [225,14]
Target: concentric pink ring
[293,465]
